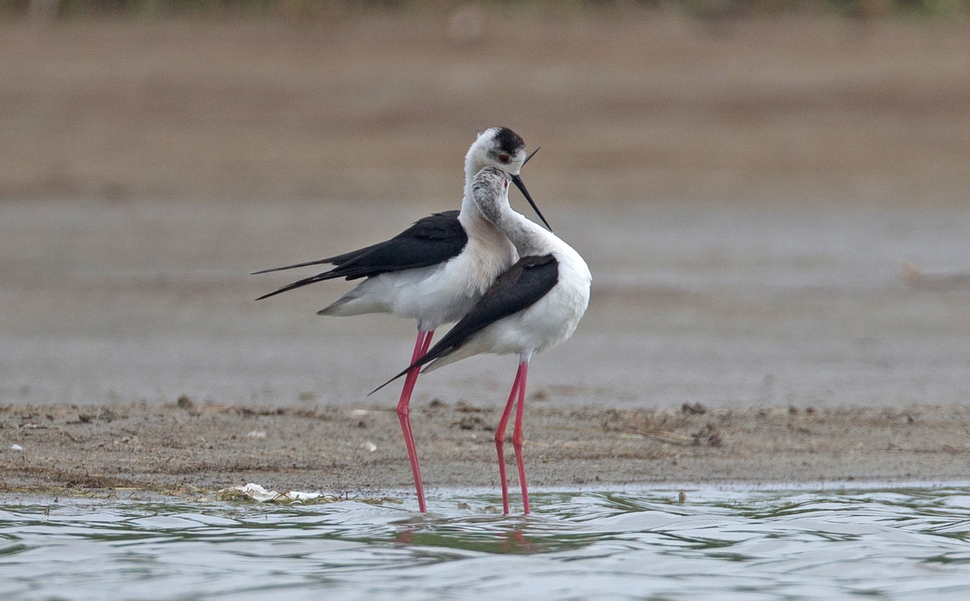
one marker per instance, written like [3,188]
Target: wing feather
[520,287]
[430,241]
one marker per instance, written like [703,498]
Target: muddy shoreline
[185,448]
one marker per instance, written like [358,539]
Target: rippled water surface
[726,544]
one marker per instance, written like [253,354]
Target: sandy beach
[775,214]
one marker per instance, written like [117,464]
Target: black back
[430,241]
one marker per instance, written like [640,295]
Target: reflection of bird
[434,271]
[533,306]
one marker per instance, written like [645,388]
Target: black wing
[430,241]
[517,289]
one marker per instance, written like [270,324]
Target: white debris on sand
[256,492]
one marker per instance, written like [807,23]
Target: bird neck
[475,160]
[527,237]
[477,226]
[488,195]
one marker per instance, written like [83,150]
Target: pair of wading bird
[512,286]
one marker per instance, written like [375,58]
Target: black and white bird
[434,271]
[535,305]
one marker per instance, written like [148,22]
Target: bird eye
[503,158]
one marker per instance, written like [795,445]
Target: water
[726,544]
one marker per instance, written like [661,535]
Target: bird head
[503,148]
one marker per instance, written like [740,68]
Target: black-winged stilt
[536,304]
[434,271]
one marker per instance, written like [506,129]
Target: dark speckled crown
[509,141]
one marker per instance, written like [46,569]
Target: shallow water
[727,544]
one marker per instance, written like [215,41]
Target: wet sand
[357,451]
[774,214]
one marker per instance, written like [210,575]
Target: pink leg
[404,408]
[500,439]
[517,436]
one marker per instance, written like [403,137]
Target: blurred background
[773,195]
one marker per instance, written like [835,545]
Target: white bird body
[552,318]
[544,325]
[438,294]
[433,272]
[535,305]
[434,295]
[445,292]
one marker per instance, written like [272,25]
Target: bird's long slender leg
[426,345]
[404,410]
[517,434]
[500,439]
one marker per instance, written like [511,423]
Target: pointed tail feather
[285,267]
[329,275]
[444,348]
[403,373]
